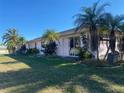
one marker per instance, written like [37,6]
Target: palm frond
[101,8]
[10,35]
[95,5]
[50,36]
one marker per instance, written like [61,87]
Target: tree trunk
[112,41]
[108,48]
[94,41]
[122,46]
[14,50]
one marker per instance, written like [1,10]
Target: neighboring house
[3,50]
[69,39]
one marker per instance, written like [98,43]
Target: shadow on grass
[51,72]
[6,63]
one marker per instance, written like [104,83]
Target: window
[74,45]
[74,42]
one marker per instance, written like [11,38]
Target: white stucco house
[69,39]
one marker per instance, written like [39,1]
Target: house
[69,40]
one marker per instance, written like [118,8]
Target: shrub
[22,50]
[84,54]
[49,49]
[32,51]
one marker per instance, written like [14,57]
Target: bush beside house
[32,51]
[50,48]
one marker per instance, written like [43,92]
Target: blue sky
[32,17]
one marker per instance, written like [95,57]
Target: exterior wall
[34,44]
[27,46]
[103,49]
[63,47]
[38,45]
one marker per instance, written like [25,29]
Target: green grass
[21,74]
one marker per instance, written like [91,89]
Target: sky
[32,17]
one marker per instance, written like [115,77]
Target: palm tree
[113,24]
[91,17]
[10,46]
[10,38]
[121,41]
[50,36]
[21,41]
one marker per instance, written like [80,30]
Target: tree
[50,37]
[91,18]
[121,41]
[21,40]
[113,24]
[10,38]
[10,47]
[21,47]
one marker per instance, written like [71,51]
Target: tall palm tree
[50,36]
[113,24]
[91,17]
[11,38]
[121,41]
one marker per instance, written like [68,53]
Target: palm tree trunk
[112,41]
[121,55]
[122,47]
[94,41]
[14,50]
[106,53]
[98,43]
[97,53]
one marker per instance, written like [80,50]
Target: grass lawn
[23,74]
